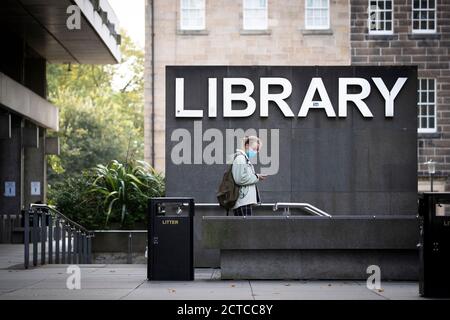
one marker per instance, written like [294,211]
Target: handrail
[119,231]
[61,239]
[50,207]
[215,204]
[287,205]
[302,205]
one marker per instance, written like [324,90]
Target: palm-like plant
[125,186]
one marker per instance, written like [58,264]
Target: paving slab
[11,255]
[14,284]
[128,283]
[65,294]
[398,290]
[199,289]
[125,281]
[311,290]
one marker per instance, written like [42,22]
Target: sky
[131,15]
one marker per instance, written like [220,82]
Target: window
[255,15]
[424,16]
[317,14]
[192,15]
[380,16]
[427,105]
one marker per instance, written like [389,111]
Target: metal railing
[9,223]
[300,205]
[307,207]
[215,204]
[54,237]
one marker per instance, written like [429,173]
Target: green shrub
[110,197]
[70,197]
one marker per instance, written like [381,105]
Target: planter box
[119,246]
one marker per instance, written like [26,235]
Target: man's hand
[261,176]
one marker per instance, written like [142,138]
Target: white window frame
[308,27]
[244,17]
[424,31]
[190,27]
[381,32]
[428,105]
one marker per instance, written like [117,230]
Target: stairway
[49,237]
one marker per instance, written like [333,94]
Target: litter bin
[171,239]
[434,246]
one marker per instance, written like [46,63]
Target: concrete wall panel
[343,165]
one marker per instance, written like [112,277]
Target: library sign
[325,130]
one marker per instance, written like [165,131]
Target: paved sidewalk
[129,282]
[11,255]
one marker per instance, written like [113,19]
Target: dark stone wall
[352,165]
[10,167]
[429,52]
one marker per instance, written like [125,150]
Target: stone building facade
[360,32]
[224,38]
[408,32]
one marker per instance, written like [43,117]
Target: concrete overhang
[43,25]
[20,100]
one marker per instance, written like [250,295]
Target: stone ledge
[118,258]
[118,242]
[243,32]
[318,264]
[437,176]
[307,232]
[192,32]
[381,37]
[430,135]
[309,32]
[308,247]
[424,36]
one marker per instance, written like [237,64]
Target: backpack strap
[231,166]
[247,160]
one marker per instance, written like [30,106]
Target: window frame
[419,104]
[190,28]
[423,31]
[328,26]
[381,32]
[244,16]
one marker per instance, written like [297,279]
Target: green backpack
[228,190]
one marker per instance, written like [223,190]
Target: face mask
[251,153]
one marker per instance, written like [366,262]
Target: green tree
[101,112]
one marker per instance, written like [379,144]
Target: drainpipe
[153,83]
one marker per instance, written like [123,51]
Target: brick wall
[430,52]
